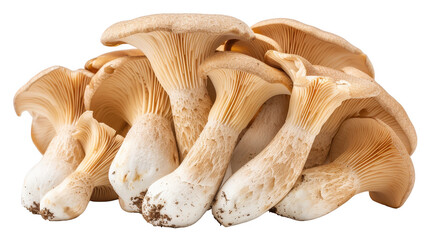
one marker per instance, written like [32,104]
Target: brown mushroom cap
[93,65]
[315,45]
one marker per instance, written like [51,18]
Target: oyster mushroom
[126,89]
[54,98]
[70,198]
[368,156]
[242,85]
[176,44]
[267,178]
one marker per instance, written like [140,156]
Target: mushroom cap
[176,23]
[256,47]
[298,69]
[123,89]
[317,46]
[242,84]
[242,62]
[402,123]
[54,97]
[93,65]
[42,132]
[385,169]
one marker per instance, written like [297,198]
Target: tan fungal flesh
[42,132]
[194,183]
[368,156]
[123,90]
[267,178]
[317,46]
[176,44]
[93,65]
[70,198]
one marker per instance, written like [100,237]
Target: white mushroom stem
[370,158]
[147,154]
[63,155]
[70,198]
[180,198]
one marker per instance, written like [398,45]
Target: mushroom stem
[266,179]
[189,192]
[370,162]
[147,154]
[63,155]
[69,199]
[190,109]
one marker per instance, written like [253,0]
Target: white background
[38,34]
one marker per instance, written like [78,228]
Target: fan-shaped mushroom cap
[70,198]
[93,65]
[54,98]
[126,90]
[176,44]
[315,45]
[242,84]
[367,156]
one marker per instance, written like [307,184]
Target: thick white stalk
[190,109]
[182,197]
[148,153]
[69,199]
[266,179]
[319,191]
[61,158]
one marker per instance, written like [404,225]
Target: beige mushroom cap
[122,90]
[386,170]
[317,46]
[54,98]
[175,23]
[256,47]
[93,65]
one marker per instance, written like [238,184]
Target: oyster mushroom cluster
[208,112]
